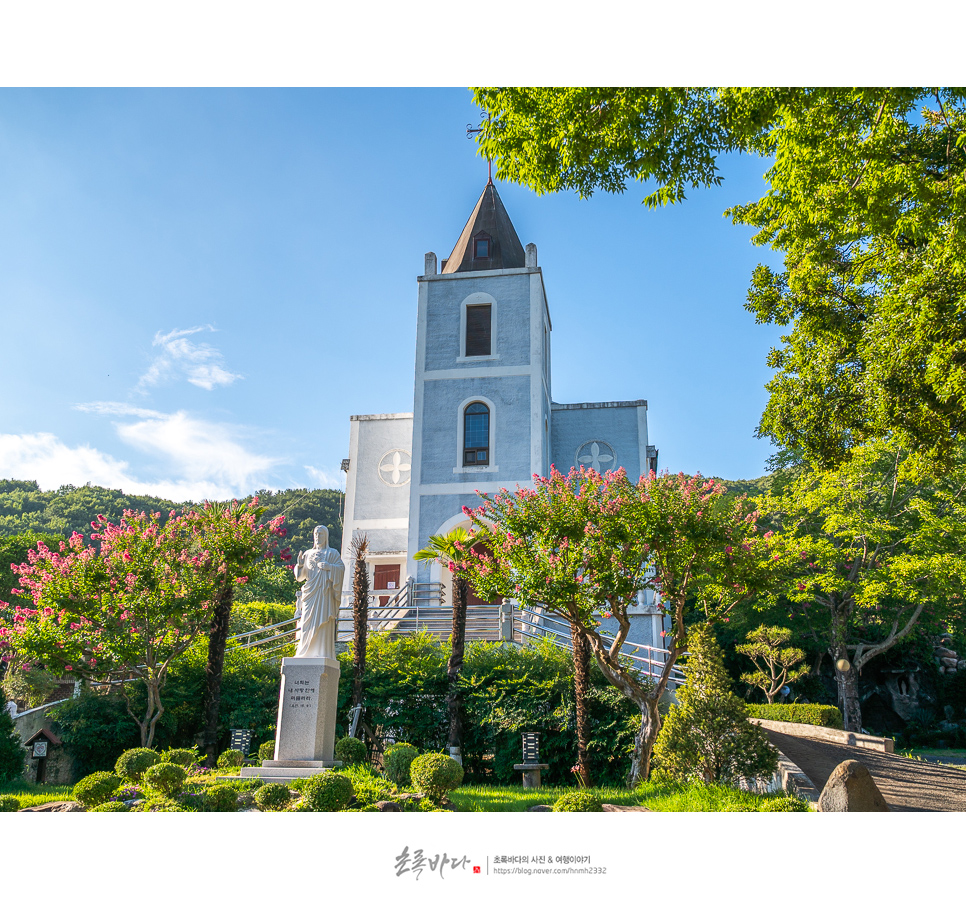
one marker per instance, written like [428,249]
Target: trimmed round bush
[435,775]
[326,792]
[183,757]
[154,805]
[231,758]
[396,762]
[578,800]
[9,803]
[273,797]
[166,778]
[368,786]
[785,803]
[97,788]
[110,806]
[351,751]
[132,763]
[266,751]
[220,797]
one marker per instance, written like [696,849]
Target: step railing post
[506,622]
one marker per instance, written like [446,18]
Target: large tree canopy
[867,204]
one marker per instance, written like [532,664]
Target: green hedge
[803,713]
[507,690]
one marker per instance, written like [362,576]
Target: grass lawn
[655,795]
[952,757]
[31,794]
[671,796]
[516,798]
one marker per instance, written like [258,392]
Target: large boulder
[608,807]
[851,788]
[57,806]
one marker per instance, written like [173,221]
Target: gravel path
[907,785]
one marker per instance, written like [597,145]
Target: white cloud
[206,460]
[118,408]
[200,450]
[201,364]
[323,479]
[45,458]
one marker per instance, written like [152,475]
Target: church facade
[483,415]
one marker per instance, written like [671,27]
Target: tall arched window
[476,435]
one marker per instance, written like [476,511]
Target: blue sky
[198,287]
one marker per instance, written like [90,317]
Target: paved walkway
[907,785]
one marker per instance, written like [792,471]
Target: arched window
[476,435]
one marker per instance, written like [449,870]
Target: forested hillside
[28,514]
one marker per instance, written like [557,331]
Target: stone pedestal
[305,731]
[531,773]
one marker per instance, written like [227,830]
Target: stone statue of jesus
[322,570]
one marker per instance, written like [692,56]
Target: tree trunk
[848,696]
[153,710]
[217,640]
[360,617]
[646,699]
[581,654]
[154,694]
[644,742]
[455,664]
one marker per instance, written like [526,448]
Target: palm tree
[360,613]
[449,550]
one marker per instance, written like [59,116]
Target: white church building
[483,415]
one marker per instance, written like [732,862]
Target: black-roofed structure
[488,240]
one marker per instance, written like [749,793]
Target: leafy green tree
[24,682]
[304,510]
[776,668]
[25,507]
[248,697]
[882,546]
[96,728]
[451,549]
[707,735]
[506,690]
[12,752]
[270,582]
[582,546]
[866,203]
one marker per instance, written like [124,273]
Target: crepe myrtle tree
[582,545]
[234,542]
[125,603]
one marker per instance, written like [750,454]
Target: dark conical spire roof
[490,222]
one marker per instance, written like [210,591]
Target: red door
[385,578]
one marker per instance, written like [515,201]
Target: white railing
[483,623]
[645,658]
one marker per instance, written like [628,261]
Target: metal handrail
[261,629]
[482,621]
[655,657]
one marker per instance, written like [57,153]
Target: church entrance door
[385,578]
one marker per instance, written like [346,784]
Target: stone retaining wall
[833,735]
